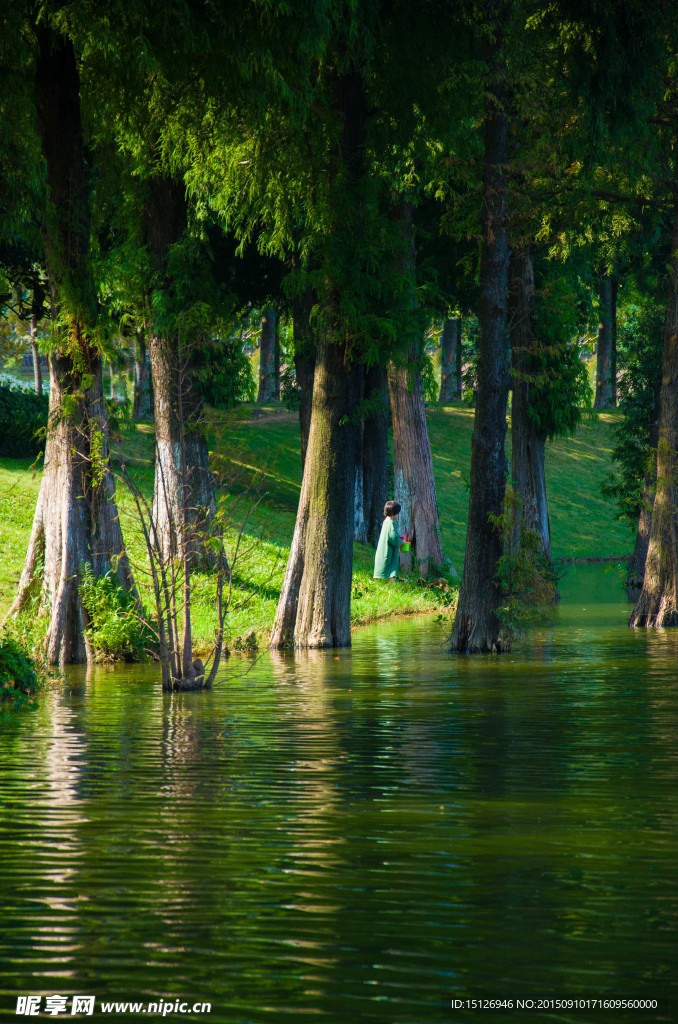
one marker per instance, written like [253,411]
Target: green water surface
[363,835]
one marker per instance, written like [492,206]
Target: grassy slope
[266,442]
[582,521]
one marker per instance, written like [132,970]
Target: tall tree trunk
[603,399]
[658,601]
[613,341]
[304,363]
[179,442]
[459,360]
[268,375]
[76,519]
[375,453]
[37,371]
[179,439]
[414,486]
[359,528]
[315,601]
[476,625]
[143,386]
[450,383]
[37,313]
[635,572]
[371,478]
[528,443]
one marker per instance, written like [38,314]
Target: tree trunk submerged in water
[314,609]
[76,519]
[528,444]
[315,601]
[177,405]
[635,572]
[476,625]
[658,601]
[413,483]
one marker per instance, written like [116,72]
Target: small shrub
[429,382]
[23,421]
[18,675]
[117,627]
[119,413]
[246,644]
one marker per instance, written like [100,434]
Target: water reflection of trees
[338,825]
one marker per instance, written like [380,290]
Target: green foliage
[640,356]
[469,354]
[290,392]
[117,628]
[23,421]
[222,374]
[18,676]
[119,414]
[528,581]
[429,383]
[559,383]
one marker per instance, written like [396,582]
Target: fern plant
[118,629]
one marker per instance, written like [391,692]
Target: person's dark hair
[391,508]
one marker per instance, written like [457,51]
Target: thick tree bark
[658,601]
[450,380]
[304,364]
[268,361]
[528,444]
[315,602]
[177,406]
[76,519]
[374,454]
[179,442]
[143,385]
[413,483]
[635,572]
[604,398]
[476,625]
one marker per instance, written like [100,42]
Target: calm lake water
[357,836]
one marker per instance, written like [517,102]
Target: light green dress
[387,554]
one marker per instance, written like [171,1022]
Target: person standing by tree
[388,549]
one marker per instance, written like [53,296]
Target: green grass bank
[262,444]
